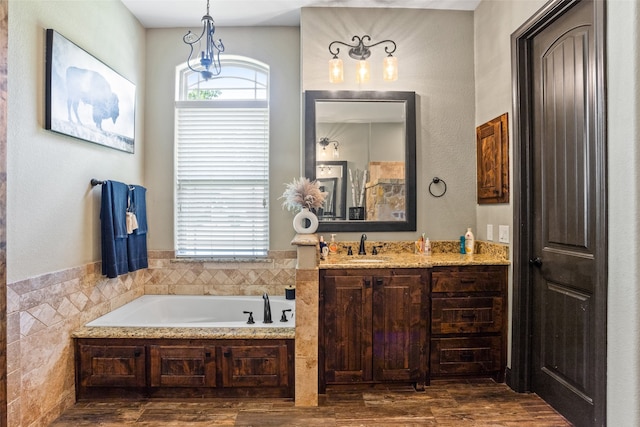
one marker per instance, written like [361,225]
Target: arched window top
[241,79]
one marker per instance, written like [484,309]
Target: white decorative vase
[300,222]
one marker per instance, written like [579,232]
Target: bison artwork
[92,89]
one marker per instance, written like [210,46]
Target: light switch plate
[503,234]
[490,232]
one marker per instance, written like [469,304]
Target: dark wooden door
[347,329]
[565,204]
[399,328]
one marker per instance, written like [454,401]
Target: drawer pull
[468,315]
[137,353]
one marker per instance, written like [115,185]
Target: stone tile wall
[43,311]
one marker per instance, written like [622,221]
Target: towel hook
[95,182]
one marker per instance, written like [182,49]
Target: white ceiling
[239,13]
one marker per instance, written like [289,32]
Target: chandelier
[361,51]
[210,56]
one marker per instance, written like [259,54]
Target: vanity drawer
[466,315]
[468,279]
[465,356]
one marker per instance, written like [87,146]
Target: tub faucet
[361,251]
[267,309]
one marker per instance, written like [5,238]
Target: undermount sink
[367,260]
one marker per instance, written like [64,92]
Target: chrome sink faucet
[362,251]
[267,309]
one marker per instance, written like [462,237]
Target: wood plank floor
[443,403]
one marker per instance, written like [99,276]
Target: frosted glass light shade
[363,73]
[390,68]
[336,71]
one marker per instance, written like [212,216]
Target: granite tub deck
[183,333]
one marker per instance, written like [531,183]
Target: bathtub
[198,311]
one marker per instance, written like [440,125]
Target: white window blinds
[222,177]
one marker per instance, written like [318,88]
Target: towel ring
[437,180]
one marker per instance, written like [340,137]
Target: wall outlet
[490,232]
[503,234]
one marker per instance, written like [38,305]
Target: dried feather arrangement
[303,193]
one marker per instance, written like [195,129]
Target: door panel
[564,214]
[348,326]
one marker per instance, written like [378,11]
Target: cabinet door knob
[379,281]
[367,283]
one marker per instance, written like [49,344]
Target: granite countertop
[185,333]
[401,255]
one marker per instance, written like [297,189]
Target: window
[222,161]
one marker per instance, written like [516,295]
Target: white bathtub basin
[197,311]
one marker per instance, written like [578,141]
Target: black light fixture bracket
[360,50]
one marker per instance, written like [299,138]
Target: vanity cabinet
[148,367]
[374,324]
[468,321]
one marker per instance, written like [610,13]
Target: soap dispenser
[333,246]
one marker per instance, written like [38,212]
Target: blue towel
[113,228]
[137,241]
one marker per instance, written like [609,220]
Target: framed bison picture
[85,98]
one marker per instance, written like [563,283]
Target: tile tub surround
[43,312]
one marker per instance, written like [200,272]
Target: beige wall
[278,47]
[435,57]
[53,213]
[494,21]
[623,117]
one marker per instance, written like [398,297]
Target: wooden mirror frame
[409,100]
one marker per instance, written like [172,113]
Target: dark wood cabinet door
[347,329]
[399,328]
[111,365]
[182,366]
[255,366]
[493,161]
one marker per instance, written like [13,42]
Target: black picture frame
[85,98]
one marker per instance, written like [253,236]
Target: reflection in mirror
[373,136]
[331,176]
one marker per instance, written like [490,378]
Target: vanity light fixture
[361,51]
[210,56]
[324,142]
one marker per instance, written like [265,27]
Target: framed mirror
[331,176]
[371,137]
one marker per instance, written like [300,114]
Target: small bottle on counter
[427,247]
[324,250]
[469,242]
[462,250]
[333,245]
